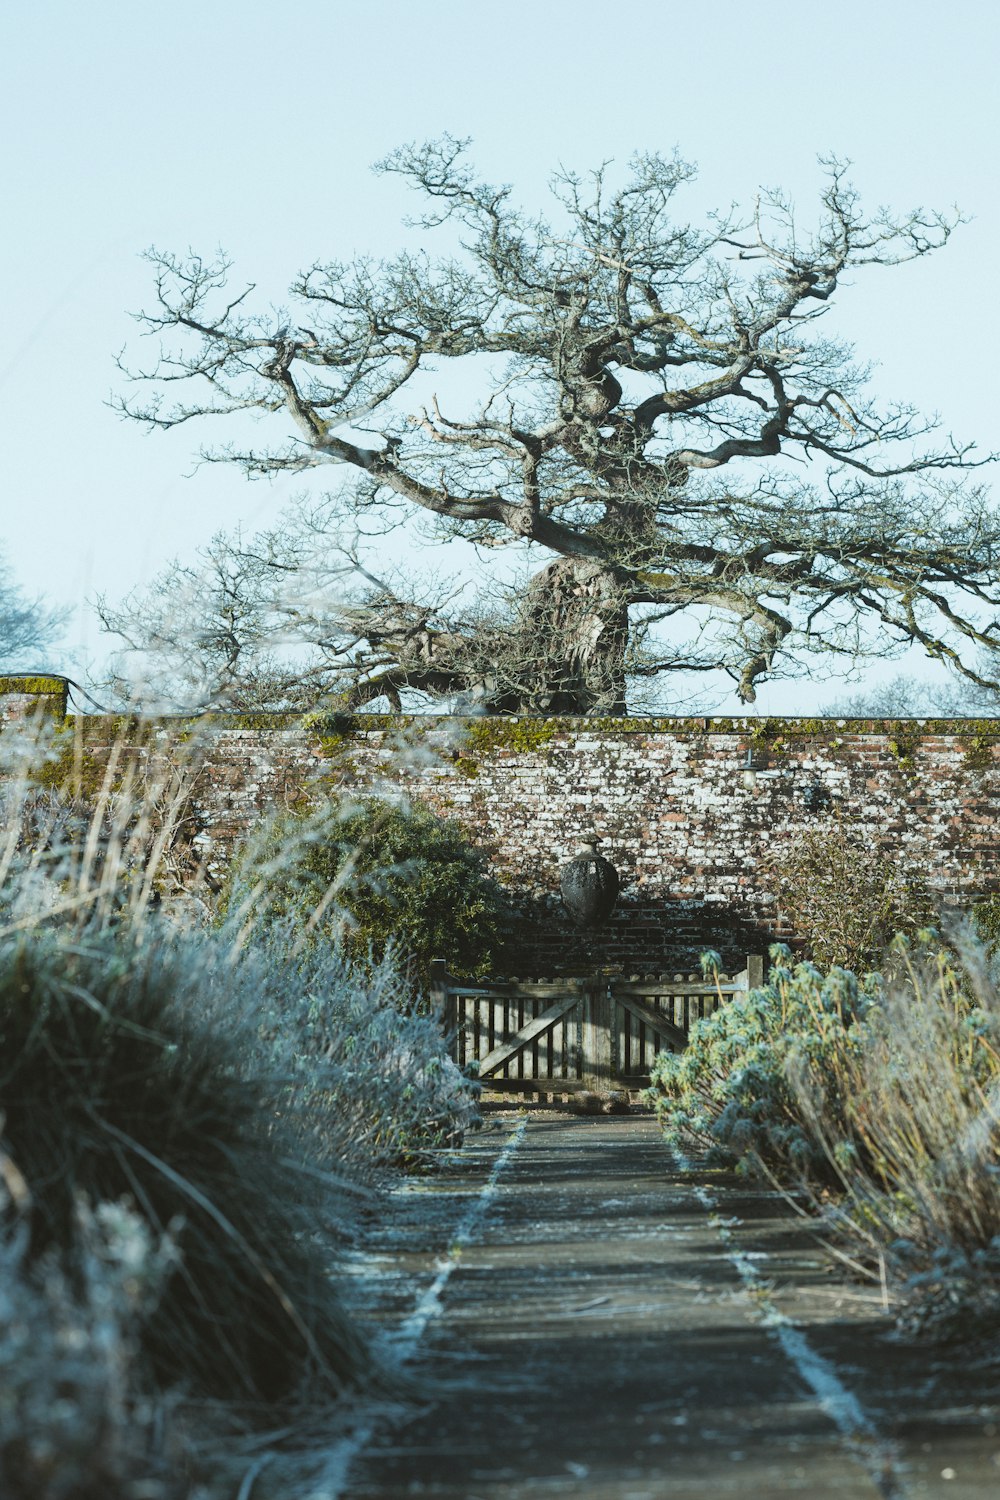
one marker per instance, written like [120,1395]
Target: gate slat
[655,1019]
[506,1051]
[578,1032]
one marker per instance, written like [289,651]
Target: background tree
[27,626]
[702,477]
[908,697]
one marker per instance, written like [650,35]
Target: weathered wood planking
[664,1010]
[551,1036]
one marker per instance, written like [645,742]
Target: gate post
[755,971]
[438,996]
[596,1017]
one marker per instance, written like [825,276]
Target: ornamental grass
[191,1115]
[125,1075]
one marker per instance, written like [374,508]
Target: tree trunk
[570,644]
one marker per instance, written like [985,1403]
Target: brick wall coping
[524,732]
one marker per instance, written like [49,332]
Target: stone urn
[589,884]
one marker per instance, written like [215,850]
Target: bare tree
[281,619]
[907,697]
[705,478]
[27,626]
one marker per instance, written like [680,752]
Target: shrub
[728,1093]
[986,922]
[369,1081]
[190,1111]
[845,898]
[880,1099]
[373,874]
[77,1418]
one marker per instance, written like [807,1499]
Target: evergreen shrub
[372,875]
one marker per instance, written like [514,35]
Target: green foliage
[845,898]
[375,874]
[728,1092]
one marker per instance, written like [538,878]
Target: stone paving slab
[583,1318]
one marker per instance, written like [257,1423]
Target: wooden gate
[549,1037]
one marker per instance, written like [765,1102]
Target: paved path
[584,1319]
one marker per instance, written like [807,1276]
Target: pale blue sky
[252,127]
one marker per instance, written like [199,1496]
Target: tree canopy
[656,420]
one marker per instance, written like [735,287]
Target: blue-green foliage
[729,1095]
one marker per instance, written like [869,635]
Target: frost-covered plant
[728,1092]
[845,898]
[210,1089]
[375,874]
[879,1096]
[92,842]
[917,1153]
[128,1066]
[368,1072]
[79,1417]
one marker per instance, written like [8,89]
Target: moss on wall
[903,742]
[52,692]
[336,734]
[980,751]
[70,768]
[483,736]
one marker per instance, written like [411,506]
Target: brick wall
[688,825]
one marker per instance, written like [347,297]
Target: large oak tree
[654,413]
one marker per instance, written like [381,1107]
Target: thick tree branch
[619,364]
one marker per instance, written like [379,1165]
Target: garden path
[582,1318]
